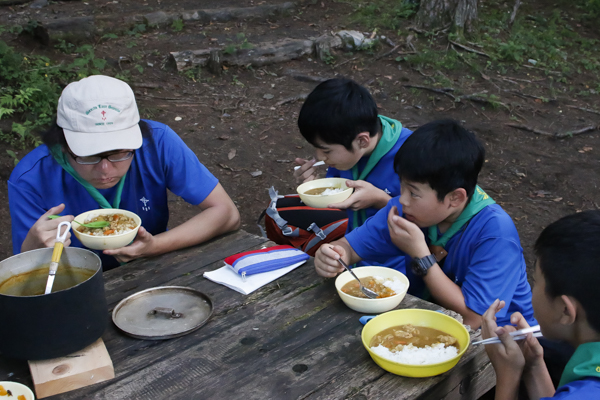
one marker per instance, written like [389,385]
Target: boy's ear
[363,139]
[568,307]
[457,197]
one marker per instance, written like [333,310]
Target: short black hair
[55,134]
[443,154]
[568,255]
[336,111]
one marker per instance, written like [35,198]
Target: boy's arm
[409,238]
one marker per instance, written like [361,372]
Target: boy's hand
[365,196]
[507,358]
[531,348]
[142,246]
[407,236]
[306,172]
[326,260]
[43,232]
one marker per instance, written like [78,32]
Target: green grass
[549,37]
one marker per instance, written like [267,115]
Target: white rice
[328,191]
[394,283]
[412,355]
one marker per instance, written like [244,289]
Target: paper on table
[227,277]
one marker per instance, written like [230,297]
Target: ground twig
[345,62]
[387,53]
[556,135]
[585,109]
[302,96]
[462,46]
[444,91]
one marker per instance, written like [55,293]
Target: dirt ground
[235,126]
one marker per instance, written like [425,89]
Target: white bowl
[106,242]
[17,389]
[366,305]
[322,201]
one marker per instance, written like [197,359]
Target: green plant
[240,43]
[177,25]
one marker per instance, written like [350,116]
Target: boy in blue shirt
[101,155]
[340,119]
[565,302]
[465,249]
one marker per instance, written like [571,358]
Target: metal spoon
[58,248]
[368,292]
[91,225]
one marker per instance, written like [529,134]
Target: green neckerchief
[389,136]
[584,362]
[478,202]
[61,159]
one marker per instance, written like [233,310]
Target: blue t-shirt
[582,389]
[39,183]
[484,258]
[383,177]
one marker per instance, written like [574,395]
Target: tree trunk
[460,15]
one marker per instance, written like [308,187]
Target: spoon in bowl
[367,292]
[91,225]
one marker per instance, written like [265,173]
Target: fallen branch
[444,91]
[462,46]
[542,69]
[585,109]
[345,62]
[518,93]
[302,96]
[556,135]
[387,53]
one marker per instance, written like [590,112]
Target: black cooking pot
[43,326]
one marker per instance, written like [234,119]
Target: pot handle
[165,312]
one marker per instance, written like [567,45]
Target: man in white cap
[101,155]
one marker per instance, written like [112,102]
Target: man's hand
[306,172]
[142,246]
[43,232]
[407,236]
[365,196]
[326,260]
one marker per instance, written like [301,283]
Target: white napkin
[228,277]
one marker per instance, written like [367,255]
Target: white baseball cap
[99,114]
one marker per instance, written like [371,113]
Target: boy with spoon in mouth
[565,303]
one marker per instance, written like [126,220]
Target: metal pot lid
[162,312]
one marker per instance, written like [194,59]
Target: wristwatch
[420,266]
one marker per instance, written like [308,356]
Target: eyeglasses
[114,157]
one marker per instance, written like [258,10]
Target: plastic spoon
[58,248]
[91,225]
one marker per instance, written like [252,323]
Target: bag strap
[271,211]
[326,232]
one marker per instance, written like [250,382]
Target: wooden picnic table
[292,339]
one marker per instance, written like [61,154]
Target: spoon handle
[348,269]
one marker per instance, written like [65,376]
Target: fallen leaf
[256,173]
[268,96]
[178,118]
[223,137]
[264,137]
[225,68]
[538,101]
[388,76]
[484,76]
[557,199]
[231,154]
[520,174]
[585,149]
